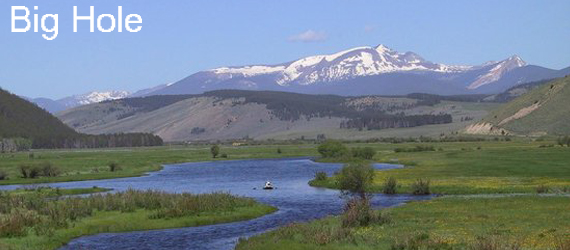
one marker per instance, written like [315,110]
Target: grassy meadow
[476,168]
[477,211]
[35,219]
[519,222]
[78,165]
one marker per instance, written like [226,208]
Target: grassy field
[33,219]
[477,167]
[79,165]
[524,222]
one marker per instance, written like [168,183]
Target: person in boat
[268,185]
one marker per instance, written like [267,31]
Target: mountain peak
[516,60]
[497,71]
[381,48]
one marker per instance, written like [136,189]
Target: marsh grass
[421,187]
[34,212]
[390,186]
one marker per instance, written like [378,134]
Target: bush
[332,149]
[415,149]
[113,167]
[390,186]
[420,187]
[28,172]
[215,151]
[224,155]
[279,150]
[3,175]
[355,178]
[542,189]
[320,176]
[49,170]
[366,153]
[359,213]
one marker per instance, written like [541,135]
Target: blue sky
[181,37]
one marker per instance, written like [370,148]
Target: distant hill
[22,119]
[237,114]
[54,106]
[542,111]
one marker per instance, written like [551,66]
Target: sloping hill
[544,110]
[22,119]
[235,114]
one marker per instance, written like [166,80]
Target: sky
[181,37]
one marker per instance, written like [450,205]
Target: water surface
[296,200]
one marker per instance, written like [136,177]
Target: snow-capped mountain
[364,70]
[361,61]
[497,71]
[55,106]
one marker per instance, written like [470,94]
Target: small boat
[268,185]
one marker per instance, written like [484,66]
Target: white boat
[268,185]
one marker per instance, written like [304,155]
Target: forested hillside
[22,119]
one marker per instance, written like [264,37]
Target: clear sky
[181,37]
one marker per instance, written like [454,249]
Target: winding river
[296,200]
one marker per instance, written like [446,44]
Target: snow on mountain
[92,97]
[364,70]
[54,106]
[497,71]
[360,61]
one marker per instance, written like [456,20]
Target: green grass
[55,192]
[532,222]
[461,168]
[35,220]
[78,165]
[115,221]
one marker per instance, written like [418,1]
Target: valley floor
[480,179]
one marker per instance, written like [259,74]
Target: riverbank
[81,165]
[476,169]
[35,220]
[521,222]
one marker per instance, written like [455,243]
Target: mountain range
[358,71]
[366,70]
[54,106]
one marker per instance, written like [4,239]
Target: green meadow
[496,195]
[36,219]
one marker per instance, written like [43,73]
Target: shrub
[224,155]
[333,149]
[113,167]
[420,187]
[359,213]
[390,185]
[366,153]
[542,189]
[415,149]
[3,175]
[354,178]
[215,151]
[24,171]
[320,176]
[279,150]
[49,170]
[28,172]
